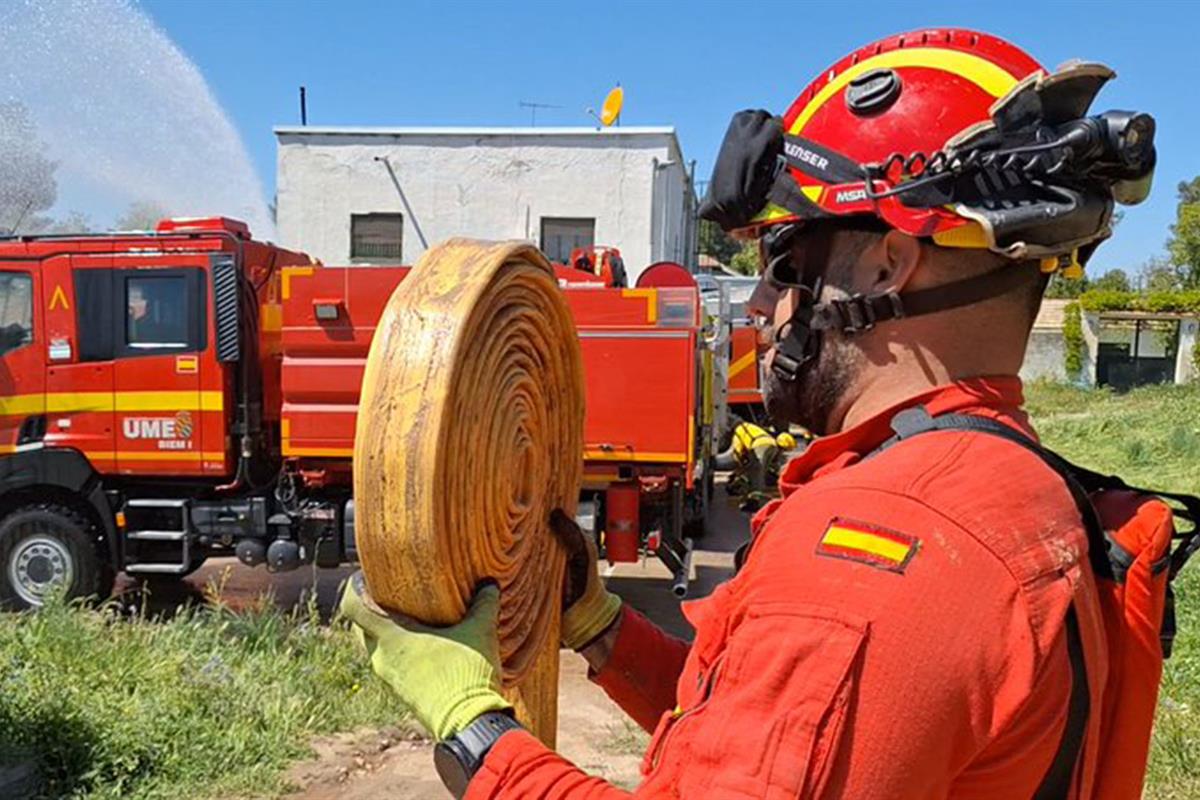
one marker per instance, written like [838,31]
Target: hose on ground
[470,432]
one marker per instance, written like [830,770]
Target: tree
[1061,288]
[1161,275]
[73,222]
[27,185]
[141,215]
[716,243]
[1115,280]
[1189,191]
[1184,244]
[745,261]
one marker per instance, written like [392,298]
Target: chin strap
[798,341]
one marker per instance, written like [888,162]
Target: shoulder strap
[914,421]
[1056,783]
[1080,480]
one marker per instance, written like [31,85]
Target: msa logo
[851,196]
[171,433]
[805,155]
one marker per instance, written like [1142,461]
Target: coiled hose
[470,432]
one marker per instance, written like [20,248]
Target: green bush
[1073,340]
[1153,302]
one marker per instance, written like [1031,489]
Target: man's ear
[897,256]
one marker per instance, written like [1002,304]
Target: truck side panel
[638,345]
[323,359]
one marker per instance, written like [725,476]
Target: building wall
[491,185]
[1045,357]
[1185,364]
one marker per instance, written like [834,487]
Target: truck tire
[45,545]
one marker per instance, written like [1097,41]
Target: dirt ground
[394,764]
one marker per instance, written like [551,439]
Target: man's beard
[811,398]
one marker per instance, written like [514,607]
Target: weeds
[206,703]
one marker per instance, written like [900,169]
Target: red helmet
[949,134]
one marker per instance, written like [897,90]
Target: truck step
[160,569]
[151,502]
[157,536]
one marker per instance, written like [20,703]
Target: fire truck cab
[135,372]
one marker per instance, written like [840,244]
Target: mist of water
[127,116]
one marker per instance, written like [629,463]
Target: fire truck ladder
[165,546]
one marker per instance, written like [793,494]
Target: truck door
[77,321]
[159,338]
[22,368]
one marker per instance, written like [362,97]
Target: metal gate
[1134,352]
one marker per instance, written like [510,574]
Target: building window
[376,237]
[561,235]
[157,312]
[16,310]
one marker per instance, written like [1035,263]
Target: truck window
[16,310]
[156,312]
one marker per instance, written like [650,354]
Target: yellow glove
[446,676]
[588,608]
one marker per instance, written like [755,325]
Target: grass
[206,704]
[1150,437]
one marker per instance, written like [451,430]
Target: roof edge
[349,130]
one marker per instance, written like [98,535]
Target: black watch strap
[458,758]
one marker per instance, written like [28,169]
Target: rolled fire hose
[470,432]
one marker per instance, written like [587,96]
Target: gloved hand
[446,676]
[588,608]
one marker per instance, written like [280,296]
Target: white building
[377,195]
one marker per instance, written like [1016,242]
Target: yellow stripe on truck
[22,405]
[153,455]
[78,402]
[624,455]
[742,364]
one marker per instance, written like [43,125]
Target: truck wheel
[44,546]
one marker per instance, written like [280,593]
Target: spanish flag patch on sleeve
[868,544]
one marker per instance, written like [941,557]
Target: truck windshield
[16,310]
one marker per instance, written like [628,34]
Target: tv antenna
[533,109]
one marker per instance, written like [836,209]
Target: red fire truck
[170,396]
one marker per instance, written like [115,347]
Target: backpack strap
[1056,783]
[914,421]
[1081,481]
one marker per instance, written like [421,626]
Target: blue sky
[688,65]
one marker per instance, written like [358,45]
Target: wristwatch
[458,758]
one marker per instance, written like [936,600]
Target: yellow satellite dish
[611,111]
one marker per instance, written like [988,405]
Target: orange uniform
[896,631]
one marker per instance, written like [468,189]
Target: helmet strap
[798,341]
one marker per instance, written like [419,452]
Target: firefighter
[903,623]
[143,324]
[755,454]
